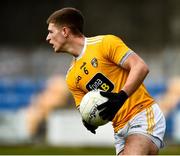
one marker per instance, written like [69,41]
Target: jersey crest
[94,62]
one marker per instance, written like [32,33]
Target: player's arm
[137,72]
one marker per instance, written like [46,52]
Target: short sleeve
[114,49]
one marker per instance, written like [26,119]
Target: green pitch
[43,150]
[46,150]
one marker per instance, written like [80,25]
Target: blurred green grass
[47,150]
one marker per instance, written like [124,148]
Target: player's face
[56,37]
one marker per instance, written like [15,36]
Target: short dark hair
[70,17]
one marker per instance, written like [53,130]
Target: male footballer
[105,62]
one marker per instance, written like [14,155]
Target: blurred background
[37,112]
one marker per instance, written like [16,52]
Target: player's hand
[115,101]
[90,127]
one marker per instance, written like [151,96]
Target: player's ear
[65,32]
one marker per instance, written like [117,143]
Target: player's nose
[48,38]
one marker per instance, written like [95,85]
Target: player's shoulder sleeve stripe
[111,40]
[94,40]
[124,58]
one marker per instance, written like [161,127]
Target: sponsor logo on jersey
[94,62]
[99,81]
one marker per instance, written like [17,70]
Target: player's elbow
[144,69]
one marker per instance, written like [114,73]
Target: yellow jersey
[99,67]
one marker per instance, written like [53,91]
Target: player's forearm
[135,78]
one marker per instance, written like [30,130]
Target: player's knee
[154,150]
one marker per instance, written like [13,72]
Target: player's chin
[57,50]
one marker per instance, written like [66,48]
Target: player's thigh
[138,144]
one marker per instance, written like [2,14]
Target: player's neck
[76,46]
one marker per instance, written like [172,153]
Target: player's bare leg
[137,144]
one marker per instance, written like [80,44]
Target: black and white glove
[89,127]
[115,101]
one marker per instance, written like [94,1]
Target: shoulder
[70,75]
[103,39]
[111,38]
[94,39]
[110,41]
